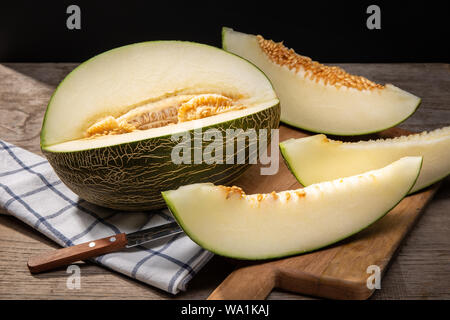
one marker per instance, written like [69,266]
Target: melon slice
[321,98]
[228,222]
[112,124]
[315,159]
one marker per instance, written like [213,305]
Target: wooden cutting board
[336,272]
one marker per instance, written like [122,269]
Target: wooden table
[420,270]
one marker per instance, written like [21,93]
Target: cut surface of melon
[228,222]
[151,89]
[315,159]
[322,98]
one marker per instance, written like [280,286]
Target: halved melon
[109,127]
[321,98]
[228,222]
[315,159]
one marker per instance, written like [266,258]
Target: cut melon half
[113,126]
[322,98]
[228,222]
[315,159]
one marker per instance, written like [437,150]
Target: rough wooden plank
[419,271]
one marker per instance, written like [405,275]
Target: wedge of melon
[228,222]
[315,159]
[320,98]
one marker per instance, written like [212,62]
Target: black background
[335,31]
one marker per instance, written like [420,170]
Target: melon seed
[314,70]
[205,105]
[164,112]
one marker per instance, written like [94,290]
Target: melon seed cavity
[165,112]
[314,70]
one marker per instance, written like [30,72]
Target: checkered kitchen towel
[31,191]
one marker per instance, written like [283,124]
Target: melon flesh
[226,221]
[319,98]
[148,90]
[315,159]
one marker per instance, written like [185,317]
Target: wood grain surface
[420,269]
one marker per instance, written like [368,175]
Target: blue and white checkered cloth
[31,191]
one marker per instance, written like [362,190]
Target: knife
[65,256]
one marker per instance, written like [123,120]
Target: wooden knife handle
[248,283]
[65,256]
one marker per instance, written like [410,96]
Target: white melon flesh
[226,221]
[321,103]
[145,74]
[315,159]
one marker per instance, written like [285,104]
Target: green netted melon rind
[131,176]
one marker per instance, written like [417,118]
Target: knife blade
[65,256]
[152,234]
